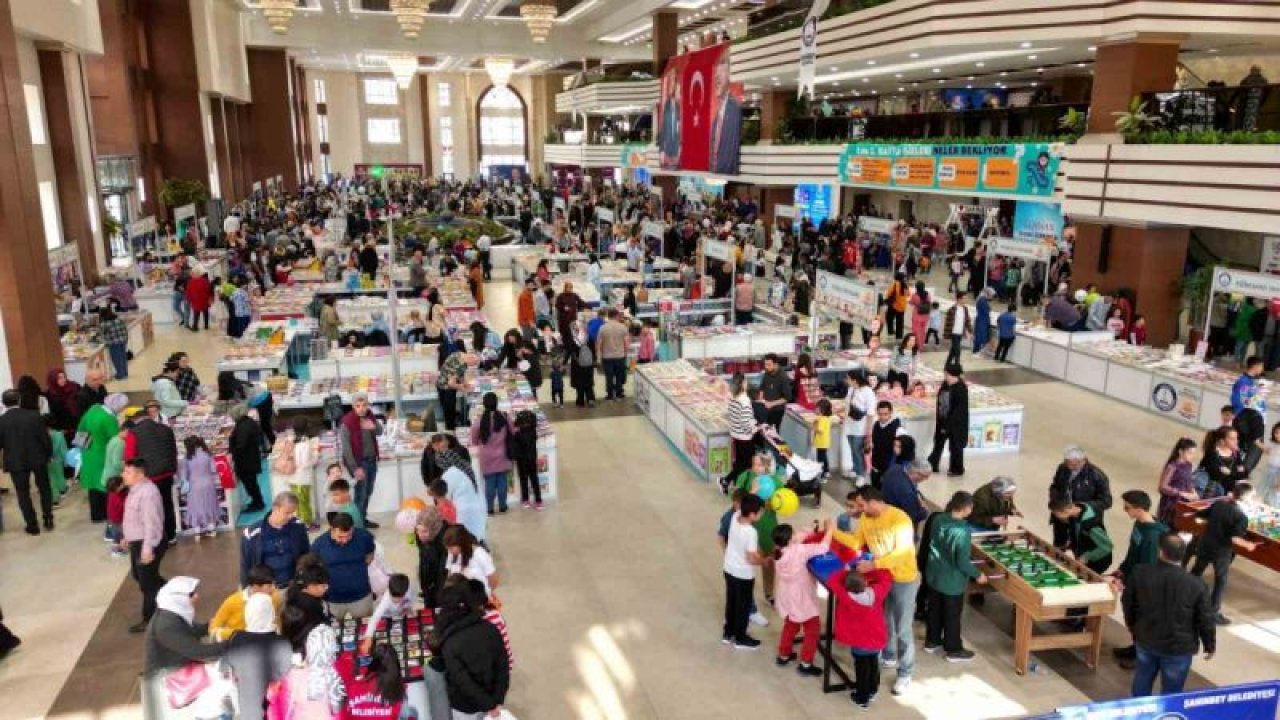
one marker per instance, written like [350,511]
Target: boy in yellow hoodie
[229,619]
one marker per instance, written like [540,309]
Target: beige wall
[218,32]
[74,23]
[42,152]
[408,105]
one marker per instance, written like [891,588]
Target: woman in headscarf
[30,397]
[61,392]
[982,321]
[464,491]
[432,555]
[313,689]
[100,426]
[378,333]
[173,643]
[258,656]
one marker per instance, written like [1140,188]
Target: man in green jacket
[950,568]
[1086,537]
[1144,549]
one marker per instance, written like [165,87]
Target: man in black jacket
[25,442]
[775,391]
[1081,481]
[156,445]
[1225,531]
[246,455]
[92,392]
[1170,615]
[952,424]
[476,668]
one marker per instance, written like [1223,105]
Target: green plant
[1074,122]
[1208,137]
[177,192]
[1195,294]
[1136,120]
[111,227]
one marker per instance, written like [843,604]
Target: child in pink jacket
[796,595]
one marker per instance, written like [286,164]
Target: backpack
[585,357]
[283,461]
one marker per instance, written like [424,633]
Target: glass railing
[1242,109]
[577,137]
[1014,122]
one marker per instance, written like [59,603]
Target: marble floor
[614,593]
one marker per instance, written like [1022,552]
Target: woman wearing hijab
[62,399]
[464,491]
[99,427]
[258,656]
[173,642]
[982,320]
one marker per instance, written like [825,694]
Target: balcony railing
[1013,122]
[603,137]
[1249,108]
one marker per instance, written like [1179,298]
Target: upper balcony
[610,97]
[1033,121]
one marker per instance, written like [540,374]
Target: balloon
[765,486]
[785,501]
[415,504]
[406,519]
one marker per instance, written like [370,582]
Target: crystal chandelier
[499,69]
[539,16]
[278,13]
[410,14]
[404,66]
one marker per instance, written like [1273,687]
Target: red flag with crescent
[697,90]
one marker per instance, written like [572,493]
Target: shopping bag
[184,685]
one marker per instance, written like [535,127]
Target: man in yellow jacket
[229,619]
[888,534]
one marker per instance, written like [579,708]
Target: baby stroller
[804,476]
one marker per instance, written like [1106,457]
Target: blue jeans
[615,376]
[120,359]
[899,611]
[1173,670]
[495,488]
[180,307]
[364,488]
[857,456]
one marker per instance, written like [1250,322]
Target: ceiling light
[1031,57]
[499,69]
[1034,84]
[410,14]
[875,92]
[970,77]
[915,55]
[981,64]
[915,84]
[539,16]
[278,13]
[937,70]
[1039,70]
[1080,64]
[835,69]
[1093,48]
[1003,73]
[902,89]
[403,66]
[866,80]
[871,62]
[1213,50]
[940,81]
[968,87]
[1025,45]
[897,75]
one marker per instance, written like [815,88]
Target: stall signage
[653,229]
[1174,397]
[876,225]
[604,214]
[813,202]
[784,211]
[716,249]
[1039,250]
[1003,169]
[1037,220]
[138,228]
[1252,701]
[849,300]
[1249,284]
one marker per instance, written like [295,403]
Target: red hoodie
[859,626]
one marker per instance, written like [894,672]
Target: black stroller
[804,476]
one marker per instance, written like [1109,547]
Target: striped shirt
[495,618]
[742,420]
[115,332]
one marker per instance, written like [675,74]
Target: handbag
[184,685]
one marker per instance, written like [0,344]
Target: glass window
[446,164]
[326,165]
[381,91]
[384,131]
[322,127]
[445,91]
[49,209]
[502,128]
[319,91]
[35,115]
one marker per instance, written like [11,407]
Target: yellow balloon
[784,501]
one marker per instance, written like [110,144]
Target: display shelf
[688,407]
[1264,529]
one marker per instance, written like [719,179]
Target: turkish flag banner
[697,94]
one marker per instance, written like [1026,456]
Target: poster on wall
[1004,169]
[1035,221]
[633,155]
[389,171]
[813,202]
[848,300]
[1270,255]
[699,113]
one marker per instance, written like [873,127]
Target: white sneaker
[901,684]
[889,664]
[758,619]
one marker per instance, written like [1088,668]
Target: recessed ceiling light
[915,55]
[1080,64]
[835,69]
[915,84]
[1003,73]
[871,62]
[1213,50]
[902,89]
[1031,57]
[1093,48]
[937,70]
[968,87]
[970,77]
[1034,84]
[940,81]
[866,80]
[1039,70]
[774,79]
[1025,45]
[981,64]
[835,82]
[875,92]
[897,75]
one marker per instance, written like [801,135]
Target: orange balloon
[413,503]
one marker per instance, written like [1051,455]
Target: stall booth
[689,409]
[1040,251]
[718,251]
[964,218]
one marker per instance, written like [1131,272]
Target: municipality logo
[1164,397]
[1224,280]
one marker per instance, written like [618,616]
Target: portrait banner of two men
[699,125]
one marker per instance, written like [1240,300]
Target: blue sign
[813,202]
[1253,701]
[642,175]
[1034,221]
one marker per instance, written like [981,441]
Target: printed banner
[809,48]
[390,171]
[1008,169]
[784,211]
[700,113]
[652,229]
[849,300]
[633,155]
[138,228]
[1249,284]
[716,249]
[1038,250]
[1037,221]
[1252,701]
[1270,255]
[813,202]
[876,225]
[1171,396]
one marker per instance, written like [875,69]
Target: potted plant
[1073,122]
[177,192]
[111,227]
[1195,297]
[1135,121]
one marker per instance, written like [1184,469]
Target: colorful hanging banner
[1005,169]
[633,155]
[1035,221]
[1252,701]
[809,49]
[849,300]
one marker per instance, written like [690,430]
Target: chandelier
[410,14]
[278,13]
[404,66]
[499,69]
[539,16]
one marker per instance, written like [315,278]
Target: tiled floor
[613,594]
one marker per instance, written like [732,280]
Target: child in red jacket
[859,623]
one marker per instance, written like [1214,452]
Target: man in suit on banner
[726,136]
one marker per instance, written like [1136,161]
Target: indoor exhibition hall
[643,360]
